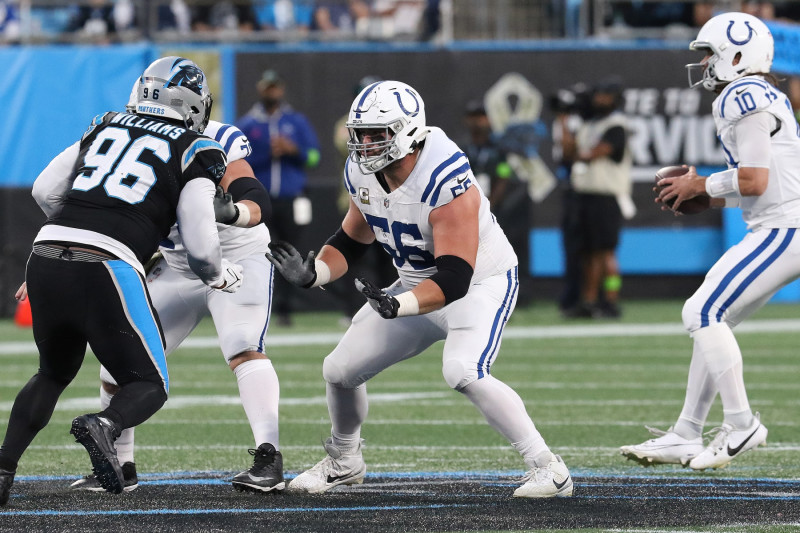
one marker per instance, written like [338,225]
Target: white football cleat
[729,443]
[667,448]
[337,468]
[546,481]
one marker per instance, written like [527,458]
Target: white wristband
[323,273]
[244,215]
[409,305]
[723,184]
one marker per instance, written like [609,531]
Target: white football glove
[232,274]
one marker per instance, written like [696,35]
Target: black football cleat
[91,484]
[6,480]
[97,435]
[266,474]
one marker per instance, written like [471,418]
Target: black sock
[134,403]
[31,412]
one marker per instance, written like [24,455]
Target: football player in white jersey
[761,141]
[241,319]
[412,189]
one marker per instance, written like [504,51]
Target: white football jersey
[236,243]
[399,219]
[779,206]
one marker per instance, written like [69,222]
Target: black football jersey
[129,175]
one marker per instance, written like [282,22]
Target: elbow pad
[252,189]
[350,248]
[454,277]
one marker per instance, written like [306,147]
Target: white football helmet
[386,123]
[175,88]
[725,37]
[130,107]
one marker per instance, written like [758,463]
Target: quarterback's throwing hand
[232,274]
[291,265]
[385,304]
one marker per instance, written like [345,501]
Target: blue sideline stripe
[693,498]
[132,287]
[142,512]
[704,312]
[473,474]
[757,272]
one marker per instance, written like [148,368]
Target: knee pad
[690,314]
[457,373]
[336,374]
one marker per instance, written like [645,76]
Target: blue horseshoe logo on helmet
[749,34]
[400,103]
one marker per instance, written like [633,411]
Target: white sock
[260,393]
[505,411]
[724,362]
[700,394]
[124,443]
[348,409]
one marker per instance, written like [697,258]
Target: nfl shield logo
[385,202]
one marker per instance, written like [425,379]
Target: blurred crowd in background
[107,21]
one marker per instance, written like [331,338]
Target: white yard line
[527,332]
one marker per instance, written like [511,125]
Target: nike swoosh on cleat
[332,479]
[734,451]
[559,486]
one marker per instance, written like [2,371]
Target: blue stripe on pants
[757,272]
[726,281]
[137,307]
[499,323]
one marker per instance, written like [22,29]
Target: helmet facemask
[702,73]
[373,146]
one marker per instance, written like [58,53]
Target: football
[688,207]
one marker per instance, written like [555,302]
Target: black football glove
[385,304]
[291,265]
[225,210]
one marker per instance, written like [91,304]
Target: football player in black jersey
[131,177]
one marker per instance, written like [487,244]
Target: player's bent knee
[691,315]
[458,374]
[336,374]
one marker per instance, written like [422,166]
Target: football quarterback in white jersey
[241,320]
[412,189]
[761,142]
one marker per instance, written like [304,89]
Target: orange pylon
[23,318]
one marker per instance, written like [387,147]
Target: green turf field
[589,390]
